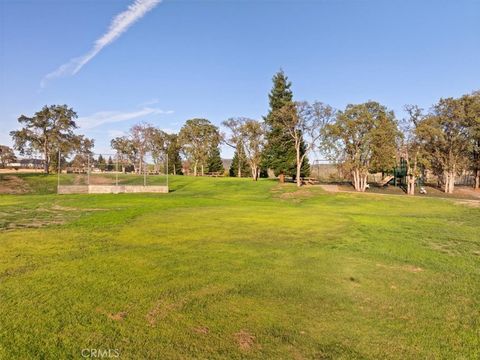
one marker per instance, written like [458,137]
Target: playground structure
[398,177]
[325,171]
[110,174]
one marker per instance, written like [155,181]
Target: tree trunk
[355,182]
[299,165]
[195,168]
[299,169]
[449,182]
[363,182]
[452,182]
[281,177]
[359,181]
[477,180]
[203,171]
[239,171]
[46,164]
[411,185]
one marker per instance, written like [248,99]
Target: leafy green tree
[445,133]
[472,111]
[214,162]
[101,163]
[6,155]
[173,153]
[280,153]
[157,143]
[110,165]
[83,153]
[198,137]
[127,154]
[239,166]
[142,139]
[357,140]
[49,130]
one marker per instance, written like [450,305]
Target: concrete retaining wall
[110,189]
[72,189]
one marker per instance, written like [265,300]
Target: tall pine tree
[279,154]
[214,162]
[239,158]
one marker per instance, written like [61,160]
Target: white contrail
[118,26]
[104,117]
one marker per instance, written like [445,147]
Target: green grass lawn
[229,268]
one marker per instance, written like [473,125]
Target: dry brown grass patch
[408,268]
[469,203]
[118,316]
[245,340]
[11,184]
[201,330]
[161,310]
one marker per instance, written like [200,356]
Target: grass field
[229,268]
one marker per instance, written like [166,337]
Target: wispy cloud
[118,26]
[150,102]
[116,133]
[105,117]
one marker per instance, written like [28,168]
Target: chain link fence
[111,173]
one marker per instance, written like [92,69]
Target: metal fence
[111,173]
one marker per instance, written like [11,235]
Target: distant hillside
[226,163]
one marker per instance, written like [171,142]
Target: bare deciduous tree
[411,147]
[234,139]
[252,133]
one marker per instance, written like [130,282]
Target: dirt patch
[66,208]
[295,196]
[17,271]
[113,316]
[161,310]
[469,203]
[408,268]
[101,180]
[118,316]
[44,214]
[245,340]
[10,184]
[164,308]
[330,188]
[210,290]
[201,330]
[411,268]
[471,192]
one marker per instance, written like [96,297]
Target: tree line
[362,138]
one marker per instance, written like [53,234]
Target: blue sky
[215,59]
